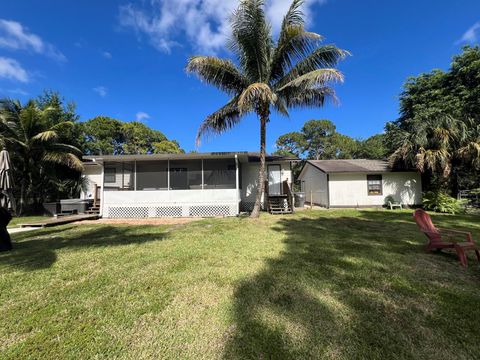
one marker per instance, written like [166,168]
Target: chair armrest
[446,232]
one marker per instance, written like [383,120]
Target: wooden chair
[437,236]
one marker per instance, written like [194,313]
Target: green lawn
[16,221]
[339,284]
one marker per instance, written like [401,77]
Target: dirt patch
[151,221]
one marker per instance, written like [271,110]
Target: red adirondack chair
[437,236]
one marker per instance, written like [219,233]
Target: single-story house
[358,183]
[180,185]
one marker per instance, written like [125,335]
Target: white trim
[237,185]
[203,176]
[102,199]
[168,175]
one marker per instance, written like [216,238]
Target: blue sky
[126,59]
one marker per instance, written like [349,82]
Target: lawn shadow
[349,287]
[37,250]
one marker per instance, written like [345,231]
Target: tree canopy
[318,139]
[438,131]
[106,136]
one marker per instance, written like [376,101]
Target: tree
[295,71]
[372,148]
[38,136]
[291,144]
[438,128]
[105,136]
[317,134]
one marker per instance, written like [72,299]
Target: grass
[337,284]
[16,221]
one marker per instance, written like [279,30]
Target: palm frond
[314,79]
[312,98]
[322,57]
[251,39]
[220,121]
[254,95]
[62,158]
[218,72]
[46,136]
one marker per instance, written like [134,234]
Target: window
[374,184]
[110,175]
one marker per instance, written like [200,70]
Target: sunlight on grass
[331,284]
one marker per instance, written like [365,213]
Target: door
[274,180]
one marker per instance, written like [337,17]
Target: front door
[274,180]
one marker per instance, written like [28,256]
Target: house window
[110,175]
[374,184]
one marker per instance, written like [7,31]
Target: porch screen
[186,175]
[119,176]
[152,175]
[219,174]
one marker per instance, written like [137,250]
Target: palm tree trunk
[264,117]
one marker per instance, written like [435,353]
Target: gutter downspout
[328,191]
[237,184]
[102,199]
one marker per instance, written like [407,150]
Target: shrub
[439,201]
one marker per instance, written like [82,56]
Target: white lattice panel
[248,206]
[200,210]
[168,211]
[209,210]
[128,212]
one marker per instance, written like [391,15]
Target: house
[358,183]
[180,185]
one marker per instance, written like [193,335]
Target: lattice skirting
[248,206]
[147,211]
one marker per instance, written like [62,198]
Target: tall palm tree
[294,71]
[34,137]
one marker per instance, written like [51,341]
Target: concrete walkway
[19,229]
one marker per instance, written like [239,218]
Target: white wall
[93,173]
[315,185]
[250,178]
[351,189]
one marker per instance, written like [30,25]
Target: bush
[439,201]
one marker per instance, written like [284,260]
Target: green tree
[317,134]
[438,128]
[102,136]
[38,137]
[295,71]
[291,144]
[372,148]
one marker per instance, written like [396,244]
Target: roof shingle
[352,165]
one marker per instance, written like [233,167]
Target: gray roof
[352,166]
[242,155]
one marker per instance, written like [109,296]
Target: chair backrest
[424,221]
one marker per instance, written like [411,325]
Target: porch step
[279,204]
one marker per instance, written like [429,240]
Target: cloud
[203,22]
[18,92]
[141,116]
[11,69]
[106,55]
[101,90]
[16,37]
[472,35]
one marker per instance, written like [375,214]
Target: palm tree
[295,71]
[437,145]
[33,136]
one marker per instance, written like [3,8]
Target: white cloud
[18,92]
[16,37]
[472,35]
[106,55]
[203,22]
[142,116]
[11,69]
[101,90]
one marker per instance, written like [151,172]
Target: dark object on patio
[75,206]
[299,199]
[51,208]
[436,237]
[5,242]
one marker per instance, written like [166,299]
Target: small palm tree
[295,71]
[33,137]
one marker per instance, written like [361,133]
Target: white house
[358,183]
[180,185]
